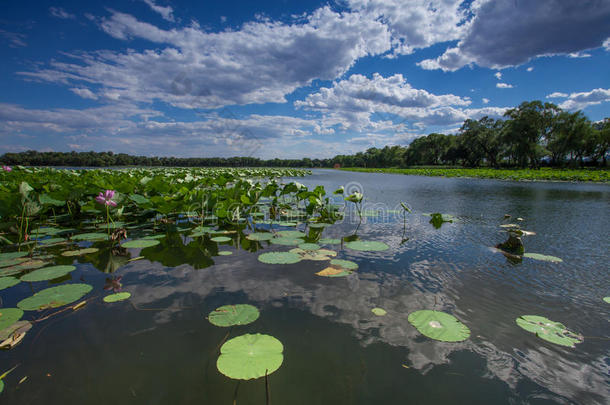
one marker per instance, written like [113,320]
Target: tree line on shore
[531,135]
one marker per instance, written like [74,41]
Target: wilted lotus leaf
[309,246]
[79,252]
[379,311]
[259,236]
[17,327]
[220,239]
[90,236]
[367,246]
[329,241]
[285,241]
[9,316]
[231,315]
[315,255]
[291,234]
[538,256]
[439,326]
[332,271]
[117,297]
[279,258]
[54,297]
[548,330]
[48,273]
[140,243]
[250,356]
[6,282]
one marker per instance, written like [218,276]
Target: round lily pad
[546,258]
[117,297]
[250,356]
[6,282]
[329,241]
[344,264]
[90,236]
[9,316]
[48,273]
[230,315]
[259,236]
[367,246]
[54,297]
[79,252]
[379,311]
[286,241]
[548,330]
[439,326]
[309,246]
[291,234]
[220,239]
[279,258]
[225,253]
[140,243]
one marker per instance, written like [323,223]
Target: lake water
[160,349]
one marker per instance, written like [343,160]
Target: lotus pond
[255,286]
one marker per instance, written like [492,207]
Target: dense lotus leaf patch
[12,255]
[19,326]
[291,234]
[54,297]
[225,253]
[79,252]
[6,282]
[439,326]
[309,246]
[284,241]
[279,258]
[379,311]
[220,239]
[48,273]
[367,246]
[546,258]
[90,236]
[259,236]
[548,330]
[9,316]
[121,296]
[140,243]
[250,356]
[344,264]
[231,315]
[329,241]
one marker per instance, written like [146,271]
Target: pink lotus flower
[6,168]
[106,198]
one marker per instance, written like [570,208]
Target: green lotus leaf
[140,243]
[250,356]
[260,236]
[367,246]
[51,241]
[12,255]
[291,234]
[329,241]
[79,252]
[6,282]
[439,326]
[546,258]
[231,315]
[19,326]
[21,267]
[117,297]
[48,273]
[548,330]
[286,241]
[344,264]
[12,262]
[607,299]
[220,239]
[225,253]
[279,258]
[54,297]
[379,311]
[9,316]
[90,236]
[309,246]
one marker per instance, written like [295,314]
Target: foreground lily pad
[6,282]
[54,297]
[230,315]
[117,297]
[379,311]
[548,330]
[279,258]
[367,246]
[9,316]
[259,236]
[17,327]
[48,273]
[79,252]
[140,243]
[546,258]
[439,326]
[250,356]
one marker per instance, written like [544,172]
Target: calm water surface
[162,350]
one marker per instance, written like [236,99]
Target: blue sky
[286,78]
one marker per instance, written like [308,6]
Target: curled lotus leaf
[140,243]
[548,330]
[9,316]
[250,356]
[121,296]
[220,239]
[79,252]
[231,315]
[7,282]
[48,273]
[379,311]
[54,297]
[367,246]
[259,236]
[279,258]
[545,258]
[439,325]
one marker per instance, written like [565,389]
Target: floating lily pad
[90,236]
[225,253]
[79,252]
[367,246]
[315,255]
[12,262]
[260,236]
[51,241]
[379,311]
[48,273]
[439,326]
[291,234]
[12,255]
[309,246]
[19,326]
[332,271]
[230,315]
[548,330]
[9,316]
[546,258]
[220,239]
[54,297]
[329,241]
[6,282]
[21,267]
[279,258]
[250,356]
[607,299]
[117,297]
[286,241]
[140,243]
[344,264]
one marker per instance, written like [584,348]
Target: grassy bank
[544,174]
